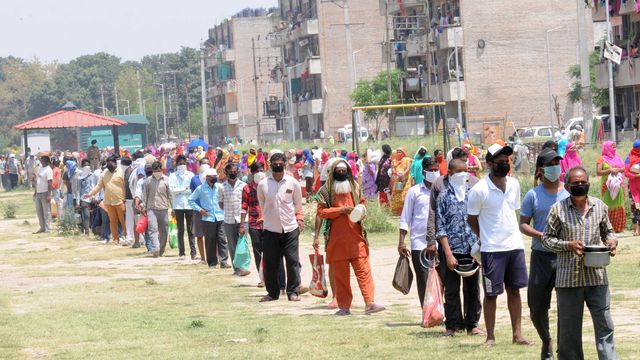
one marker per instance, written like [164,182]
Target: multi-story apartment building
[313,40]
[233,49]
[500,74]
[625,25]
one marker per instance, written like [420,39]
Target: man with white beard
[346,241]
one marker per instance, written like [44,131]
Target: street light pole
[612,102]
[203,93]
[292,134]
[164,113]
[547,50]
[128,108]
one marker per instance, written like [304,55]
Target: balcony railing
[308,107]
[625,74]
[306,28]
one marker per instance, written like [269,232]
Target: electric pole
[255,89]
[186,90]
[175,86]
[203,93]
[140,103]
[585,71]
[115,89]
[612,102]
[390,114]
[104,109]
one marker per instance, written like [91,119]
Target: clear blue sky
[65,29]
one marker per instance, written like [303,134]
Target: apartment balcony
[449,91]
[450,37]
[308,107]
[393,6]
[306,28]
[226,118]
[626,8]
[624,75]
[416,45]
[223,88]
[315,68]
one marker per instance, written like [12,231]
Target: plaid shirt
[231,198]
[251,205]
[564,224]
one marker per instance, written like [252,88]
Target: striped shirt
[565,223]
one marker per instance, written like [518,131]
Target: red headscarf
[609,155]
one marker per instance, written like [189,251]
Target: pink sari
[571,159]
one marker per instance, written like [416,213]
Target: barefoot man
[491,210]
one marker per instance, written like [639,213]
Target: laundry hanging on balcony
[305,70]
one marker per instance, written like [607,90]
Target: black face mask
[212,181]
[148,173]
[422,152]
[340,176]
[502,169]
[579,190]
[111,167]
[232,176]
[277,168]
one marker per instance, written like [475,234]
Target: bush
[377,220]
[67,223]
[8,210]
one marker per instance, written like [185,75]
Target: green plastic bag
[173,233]
[242,258]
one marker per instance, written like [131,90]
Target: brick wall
[509,76]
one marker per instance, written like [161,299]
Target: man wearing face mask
[179,184]
[573,223]
[347,244]
[196,219]
[280,198]
[491,210]
[86,181]
[156,198]
[230,201]
[542,271]
[204,200]
[456,239]
[112,181]
[129,213]
[414,219]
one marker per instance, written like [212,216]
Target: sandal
[267,298]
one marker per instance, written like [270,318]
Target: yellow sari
[399,180]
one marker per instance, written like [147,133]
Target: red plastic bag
[318,286]
[433,309]
[141,226]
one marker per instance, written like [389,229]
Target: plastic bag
[242,258]
[173,233]
[614,183]
[433,309]
[403,276]
[54,209]
[141,225]
[318,286]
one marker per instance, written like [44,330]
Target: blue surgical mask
[552,173]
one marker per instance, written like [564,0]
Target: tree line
[30,88]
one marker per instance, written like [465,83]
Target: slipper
[343,312]
[267,298]
[475,332]
[373,308]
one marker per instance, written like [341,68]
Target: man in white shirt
[491,210]
[42,195]
[179,184]
[280,198]
[231,202]
[414,219]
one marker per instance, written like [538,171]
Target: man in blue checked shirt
[456,239]
[212,218]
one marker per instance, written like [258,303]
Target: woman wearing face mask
[369,187]
[610,168]
[399,180]
[632,172]
[416,165]
[571,159]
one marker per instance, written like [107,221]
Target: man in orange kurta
[346,242]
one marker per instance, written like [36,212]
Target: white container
[596,256]
[358,213]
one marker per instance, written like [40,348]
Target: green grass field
[75,298]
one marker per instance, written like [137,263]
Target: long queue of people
[446,208]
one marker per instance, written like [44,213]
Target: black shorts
[503,268]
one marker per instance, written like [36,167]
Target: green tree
[374,92]
[600,96]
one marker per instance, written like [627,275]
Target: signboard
[612,52]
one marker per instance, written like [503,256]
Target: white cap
[497,149]
[211,172]
[341,165]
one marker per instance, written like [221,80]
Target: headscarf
[609,155]
[562,146]
[351,156]
[634,154]
[326,195]
[71,168]
[416,165]
[571,158]
[252,157]
[308,157]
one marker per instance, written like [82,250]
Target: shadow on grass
[401,324]
[426,334]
